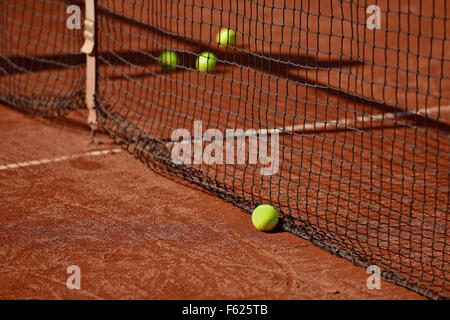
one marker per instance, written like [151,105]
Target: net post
[89,49]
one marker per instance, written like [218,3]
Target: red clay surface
[138,235]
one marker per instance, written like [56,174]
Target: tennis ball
[206,62]
[226,37]
[168,60]
[265,217]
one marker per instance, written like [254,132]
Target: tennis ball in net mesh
[168,60]
[265,217]
[226,37]
[206,62]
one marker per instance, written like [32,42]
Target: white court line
[367,120]
[58,159]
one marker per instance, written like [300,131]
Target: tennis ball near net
[265,217]
[226,37]
[168,60]
[206,62]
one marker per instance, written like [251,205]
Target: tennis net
[361,116]
[41,68]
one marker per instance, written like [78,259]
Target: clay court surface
[136,234]
[379,191]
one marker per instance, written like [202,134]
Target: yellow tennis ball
[226,37]
[206,62]
[168,60]
[265,217]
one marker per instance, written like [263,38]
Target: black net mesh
[41,68]
[343,128]
[365,173]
